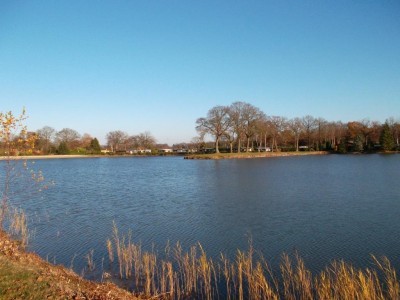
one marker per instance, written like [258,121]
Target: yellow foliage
[14,136]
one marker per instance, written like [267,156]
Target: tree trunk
[265,142]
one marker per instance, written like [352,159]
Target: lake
[324,207]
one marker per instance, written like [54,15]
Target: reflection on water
[325,207]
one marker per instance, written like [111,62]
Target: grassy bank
[26,276]
[252,155]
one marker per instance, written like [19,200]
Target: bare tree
[296,127]
[263,130]
[216,123]
[236,117]
[46,135]
[277,126]
[244,120]
[229,137]
[86,139]
[321,129]
[145,140]
[68,136]
[309,124]
[116,139]
[197,142]
[366,130]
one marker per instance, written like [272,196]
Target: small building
[139,151]
[263,149]
[165,150]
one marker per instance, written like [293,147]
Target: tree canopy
[244,124]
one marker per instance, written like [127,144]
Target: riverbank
[253,155]
[27,276]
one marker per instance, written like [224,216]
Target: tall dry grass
[192,274]
[19,226]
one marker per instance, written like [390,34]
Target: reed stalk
[110,251]
[90,261]
[19,226]
[193,275]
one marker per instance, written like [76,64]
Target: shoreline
[244,155]
[51,156]
[215,156]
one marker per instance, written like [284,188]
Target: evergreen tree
[386,139]
[95,146]
[342,148]
[358,145]
[63,148]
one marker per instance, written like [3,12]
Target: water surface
[323,207]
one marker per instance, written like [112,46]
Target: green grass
[20,282]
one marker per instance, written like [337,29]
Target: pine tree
[95,146]
[63,148]
[387,139]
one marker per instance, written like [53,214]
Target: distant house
[181,151]
[105,151]
[245,149]
[165,150]
[263,149]
[139,151]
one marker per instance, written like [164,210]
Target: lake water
[324,207]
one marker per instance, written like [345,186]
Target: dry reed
[19,226]
[193,275]
[90,261]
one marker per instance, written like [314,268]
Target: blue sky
[98,66]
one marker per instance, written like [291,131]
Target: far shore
[253,155]
[241,155]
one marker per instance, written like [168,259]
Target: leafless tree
[145,141]
[116,139]
[277,126]
[85,140]
[251,115]
[68,136]
[197,142]
[46,135]
[230,137]
[296,127]
[321,131]
[309,124]
[237,123]
[216,123]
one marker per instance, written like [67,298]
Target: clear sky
[98,66]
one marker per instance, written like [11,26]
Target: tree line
[237,127]
[68,141]
[242,126]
